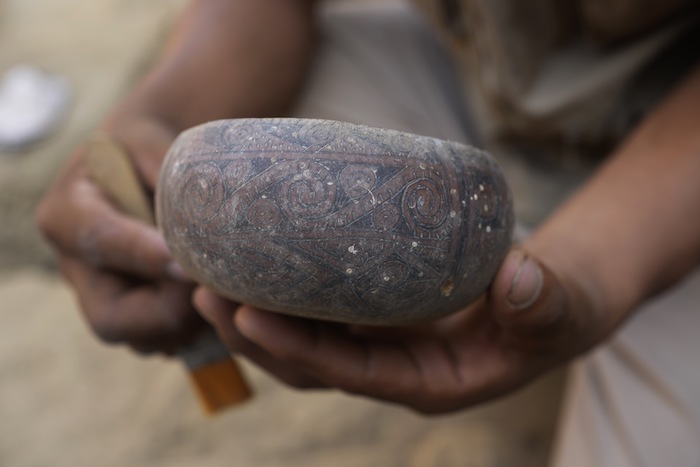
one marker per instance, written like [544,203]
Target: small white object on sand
[32,103]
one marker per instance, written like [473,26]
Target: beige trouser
[634,401]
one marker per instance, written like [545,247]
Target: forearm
[635,227]
[226,59]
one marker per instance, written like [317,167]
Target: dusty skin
[68,400]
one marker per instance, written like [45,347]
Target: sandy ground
[67,400]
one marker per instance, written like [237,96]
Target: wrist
[601,301]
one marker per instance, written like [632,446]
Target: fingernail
[175,271]
[526,286]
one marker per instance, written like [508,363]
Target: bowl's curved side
[332,220]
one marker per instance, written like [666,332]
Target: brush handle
[215,375]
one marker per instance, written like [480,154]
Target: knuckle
[177,329]
[142,350]
[436,399]
[77,238]
[425,410]
[432,406]
[300,383]
[178,321]
[448,397]
[431,410]
[102,319]
[45,219]
[233,341]
[388,388]
[293,355]
[88,242]
[105,329]
[176,334]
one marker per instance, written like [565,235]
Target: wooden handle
[110,167]
[215,375]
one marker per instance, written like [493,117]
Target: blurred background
[68,400]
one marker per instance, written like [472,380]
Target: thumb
[527,299]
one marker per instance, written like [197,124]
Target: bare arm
[229,58]
[634,229]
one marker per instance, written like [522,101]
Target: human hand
[531,320]
[128,285]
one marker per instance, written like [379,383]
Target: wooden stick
[214,374]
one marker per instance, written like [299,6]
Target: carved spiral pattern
[309,193]
[392,273]
[315,136]
[264,213]
[203,192]
[237,173]
[386,216]
[238,137]
[358,180]
[425,204]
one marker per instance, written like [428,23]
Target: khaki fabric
[378,64]
[536,72]
[635,402]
